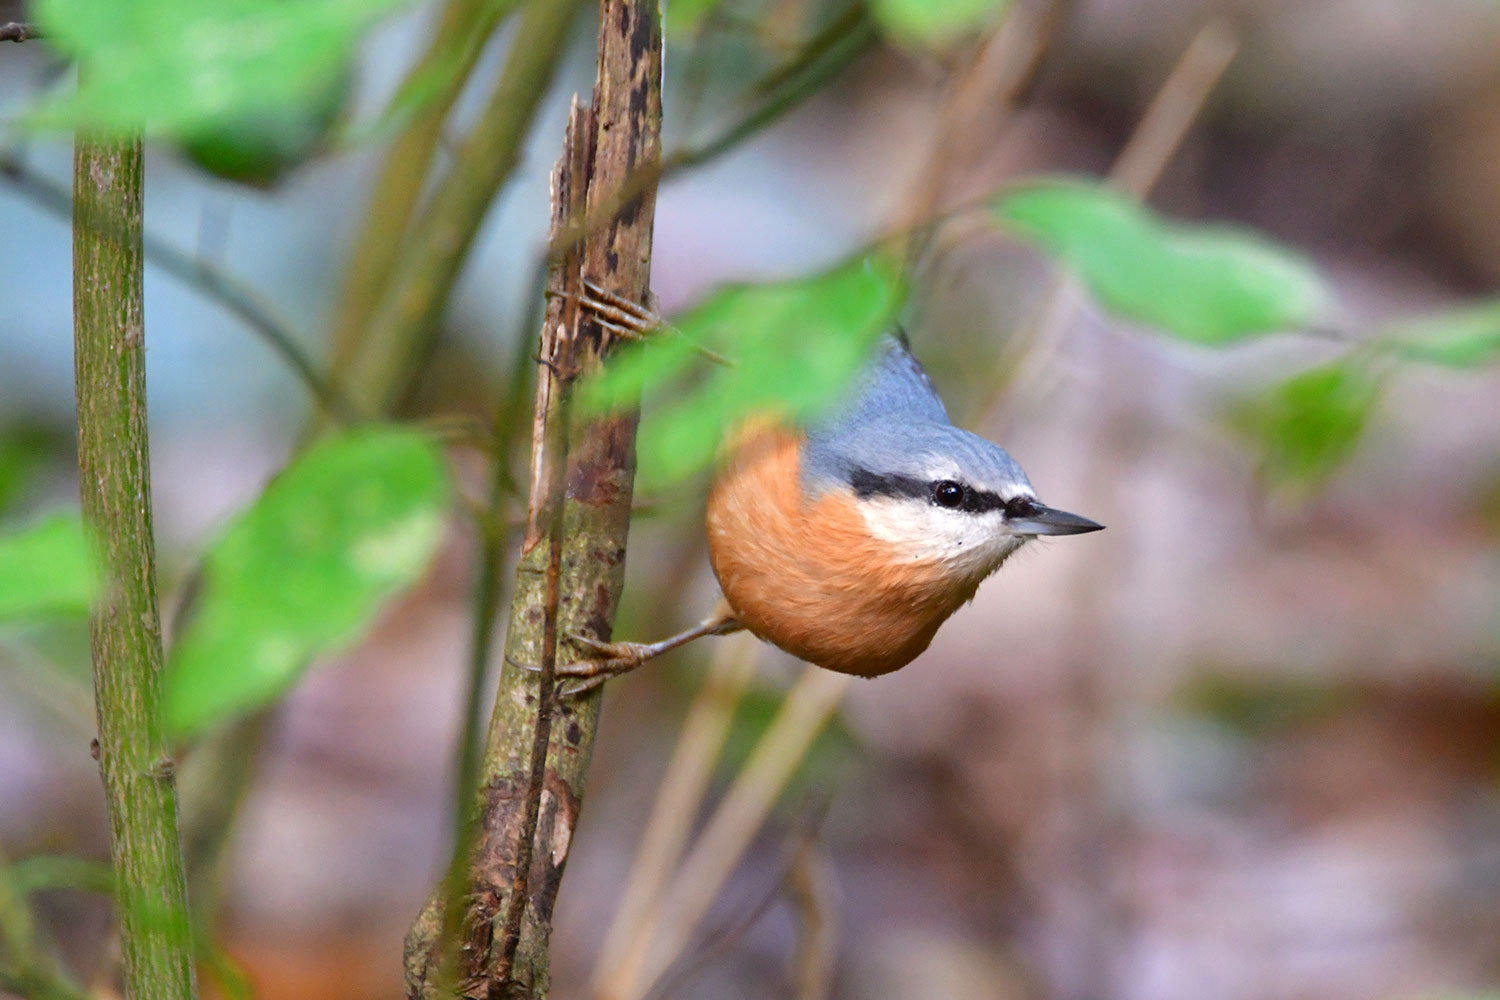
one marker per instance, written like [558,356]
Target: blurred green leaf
[42,872]
[24,451]
[794,346]
[184,65]
[1309,426]
[1466,337]
[46,571]
[351,522]
[1206,283]
[685,17]
[936,23]
[261,147]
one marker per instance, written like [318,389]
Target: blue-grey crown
[892,426]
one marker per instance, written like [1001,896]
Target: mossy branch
[114,473]
[518,804]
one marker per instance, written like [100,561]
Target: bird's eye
[948,493]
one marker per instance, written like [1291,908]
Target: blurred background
[1243,744]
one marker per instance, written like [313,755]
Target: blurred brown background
[1234,747]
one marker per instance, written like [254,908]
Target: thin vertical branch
[669,927]
[679,797]
[1136,170]
[524,814]
[114,473]
[409,302]
[463,28]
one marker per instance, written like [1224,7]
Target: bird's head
[937,493]
[932,492]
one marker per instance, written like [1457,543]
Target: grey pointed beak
[1040,520]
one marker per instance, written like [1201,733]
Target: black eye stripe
[868,484]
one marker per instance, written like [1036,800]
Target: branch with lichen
[571,571]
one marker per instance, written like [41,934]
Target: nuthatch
[848,543]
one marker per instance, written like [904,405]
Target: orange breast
[807,576]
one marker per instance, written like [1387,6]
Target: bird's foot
[618,314]
[605,660]
[630,320]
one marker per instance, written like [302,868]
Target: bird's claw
[606,660]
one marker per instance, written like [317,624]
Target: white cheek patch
[971,544]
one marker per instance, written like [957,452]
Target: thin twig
[980,100]
[463,28]
[404,321]
[800,842]
[1136,170]
[679,796]
[664,934]
[811,887]
[233,296]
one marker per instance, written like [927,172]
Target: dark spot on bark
[624,19]
[630,214]
[643,37]
[575,733]
[612,256]
[640,99]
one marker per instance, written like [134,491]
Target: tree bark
[115,480]
[524,814]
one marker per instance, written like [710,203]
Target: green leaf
[25,450]
[685,17]
[1209,284]
[936,24]
[43,872]
[794,346]
[46,571]
[1467,337]
[259,148]
[351,522]
[1309,426]
[180,66]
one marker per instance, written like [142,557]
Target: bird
[849,541]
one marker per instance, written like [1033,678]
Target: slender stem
[678,798]
[114,472]
[403,324]
[439,76]
[668,928]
